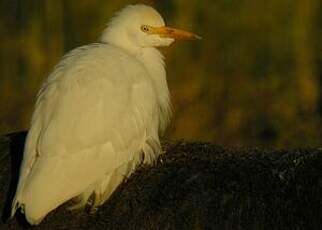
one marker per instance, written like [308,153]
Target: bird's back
[93,115]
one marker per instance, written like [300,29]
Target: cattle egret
[98,115]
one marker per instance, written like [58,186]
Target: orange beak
[168,32]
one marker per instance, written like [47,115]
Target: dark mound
[194,186]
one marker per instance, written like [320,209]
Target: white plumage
[98,115]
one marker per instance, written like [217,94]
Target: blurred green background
[254,79]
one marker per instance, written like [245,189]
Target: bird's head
[138,26]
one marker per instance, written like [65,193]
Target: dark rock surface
[193,186]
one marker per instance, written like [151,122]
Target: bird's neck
[153,61]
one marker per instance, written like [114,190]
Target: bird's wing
[80,130]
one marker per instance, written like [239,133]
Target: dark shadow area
[15,142]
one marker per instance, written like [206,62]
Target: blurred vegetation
[254,79]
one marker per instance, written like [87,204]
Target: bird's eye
[145,28]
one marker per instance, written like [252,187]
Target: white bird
[98,115]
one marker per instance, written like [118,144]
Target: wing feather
[87,122]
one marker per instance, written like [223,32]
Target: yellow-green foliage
[254,79]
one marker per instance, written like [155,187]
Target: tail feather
[15,206]
[55,180]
